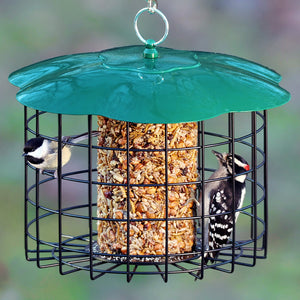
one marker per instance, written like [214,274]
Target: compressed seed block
[147,237]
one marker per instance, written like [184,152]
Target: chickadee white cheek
[41,151]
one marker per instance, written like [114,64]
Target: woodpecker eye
[229,161]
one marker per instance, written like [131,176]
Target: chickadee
[42,153]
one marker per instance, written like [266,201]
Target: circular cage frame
[72,253]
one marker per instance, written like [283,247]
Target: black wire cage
[59,231]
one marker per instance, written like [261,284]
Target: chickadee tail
[78,138]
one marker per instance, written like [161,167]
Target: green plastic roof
[178,86]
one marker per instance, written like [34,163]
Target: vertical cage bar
[230,130]
[59,191]
[25,186]
[204,232]
[90,195]
[129,276]
[37,197]
[232,150]
[167,206]
[265,132]
[254,186]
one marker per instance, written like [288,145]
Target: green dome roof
[177,86]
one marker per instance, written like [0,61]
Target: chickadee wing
[53,146]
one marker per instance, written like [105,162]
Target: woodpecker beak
[218,155]
[24,154]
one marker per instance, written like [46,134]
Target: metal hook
[152,6]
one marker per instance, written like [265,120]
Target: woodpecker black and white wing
[221,223]
[222,213]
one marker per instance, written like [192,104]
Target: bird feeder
[128,205]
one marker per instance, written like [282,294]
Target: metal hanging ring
[152,11]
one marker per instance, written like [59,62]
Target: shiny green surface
[178,86]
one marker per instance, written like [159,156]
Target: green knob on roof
[150,51]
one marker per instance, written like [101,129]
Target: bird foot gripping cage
[129,204]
